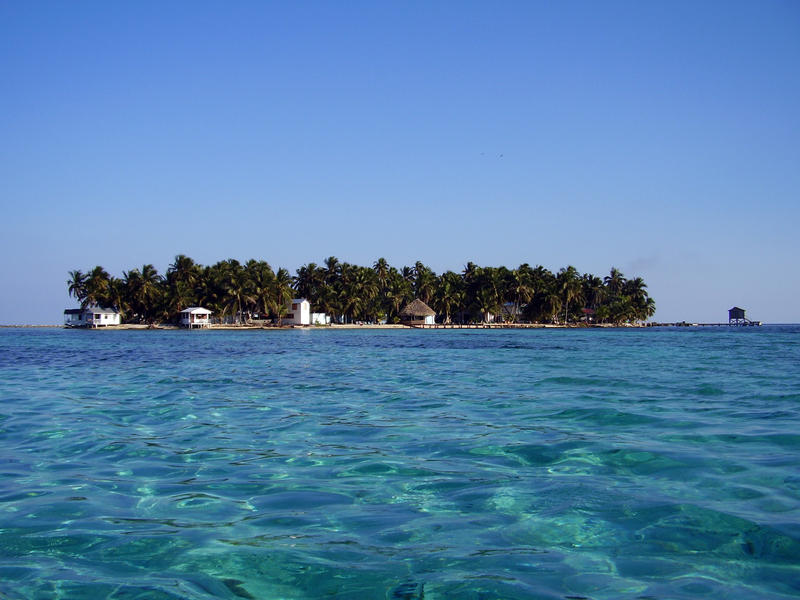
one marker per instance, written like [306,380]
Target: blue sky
[662,138]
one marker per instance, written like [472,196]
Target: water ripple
[400,464]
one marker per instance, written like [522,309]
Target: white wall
[86,318]
[104,319]
[300,309]
[320,319]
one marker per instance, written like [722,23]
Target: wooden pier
[736,318]
[686,324]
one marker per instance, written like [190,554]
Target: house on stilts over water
[736,317]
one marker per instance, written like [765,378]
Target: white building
[92,316]
[320,319]
[298,312]
[195,316]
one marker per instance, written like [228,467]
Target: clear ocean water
[404,465]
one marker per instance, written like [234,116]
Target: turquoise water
[400,464]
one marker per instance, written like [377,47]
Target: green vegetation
[239,292]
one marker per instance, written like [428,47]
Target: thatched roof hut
[417,312]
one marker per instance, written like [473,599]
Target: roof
[735,308]
[102,311]
[91,309]
[298,300]
[196,310]
[417,308]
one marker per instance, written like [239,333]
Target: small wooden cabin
[736,316]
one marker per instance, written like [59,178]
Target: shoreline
[438,326]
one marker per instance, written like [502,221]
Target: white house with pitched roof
[91,316]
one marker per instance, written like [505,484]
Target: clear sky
[662,138]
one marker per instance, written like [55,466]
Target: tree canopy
[239,292]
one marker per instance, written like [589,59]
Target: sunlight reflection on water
[400,464]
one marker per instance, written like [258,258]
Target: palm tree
[237,291]
[183,269]
[471,271]
[424,282]
[521,287]
[593,290]
[150,290]
[143,290]
[180,296]
[117,298]
[543,284]
[367,280]
[486,291]
[383,274]
[398,293]
[621,309]
[76,285]
[381,268]
[408,274]
[309,281]
[449,294]
[96,288]
[281,293]
[132,281]
[649,309]
[569,284]
[360,290]
[486,302]
[642,306]
[470,276]
[332,269]
[614,281]
[552,304]
[182,280]
[635,287]
[261,285]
